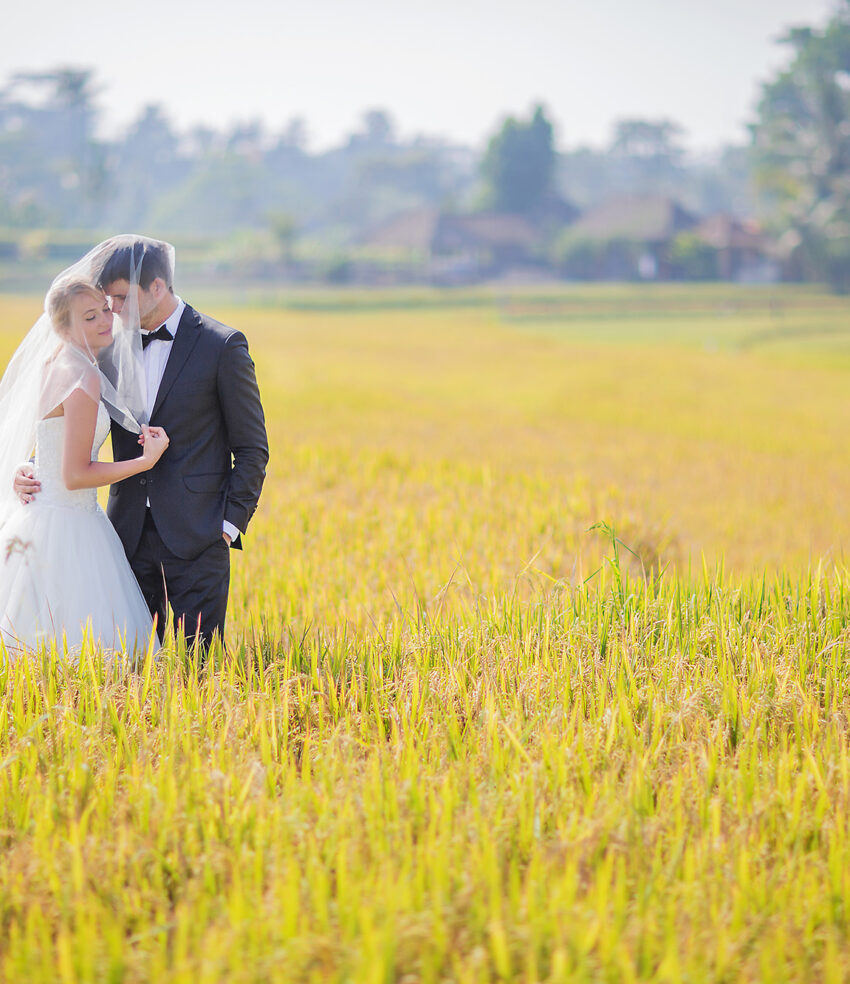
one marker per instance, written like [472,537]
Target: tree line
[258,190]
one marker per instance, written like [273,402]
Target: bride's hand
[26,485]
[154,441]
[153,432]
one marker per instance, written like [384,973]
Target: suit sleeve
[246,430]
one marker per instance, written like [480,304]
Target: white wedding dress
[63,571]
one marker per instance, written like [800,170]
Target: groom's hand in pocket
[26,485]
[226,539]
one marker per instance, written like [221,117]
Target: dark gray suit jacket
[213,469]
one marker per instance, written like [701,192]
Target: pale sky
[440,67]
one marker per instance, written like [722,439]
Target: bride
[63,571]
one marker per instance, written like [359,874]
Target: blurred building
[626,238]
[453,248]
[743,252]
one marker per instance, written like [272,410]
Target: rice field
[536,669]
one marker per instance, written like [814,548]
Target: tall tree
[801,142]
[53,155]
[145,164]
[654,140]
[519,165]
[378,131]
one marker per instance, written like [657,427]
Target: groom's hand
[226,539]
[26,485]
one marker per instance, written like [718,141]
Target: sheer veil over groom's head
[54,358]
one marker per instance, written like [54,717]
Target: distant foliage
[57,171]
[656,141]
[692,258]
[801,143]
[580,257]
[519,165]
[62,171]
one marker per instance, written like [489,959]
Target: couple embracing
[116,349]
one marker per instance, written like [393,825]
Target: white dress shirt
[155,356]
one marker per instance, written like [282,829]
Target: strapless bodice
[50,435]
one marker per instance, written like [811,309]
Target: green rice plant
[476,797]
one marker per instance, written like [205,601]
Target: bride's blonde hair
[60,295]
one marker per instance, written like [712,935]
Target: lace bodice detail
[50,434]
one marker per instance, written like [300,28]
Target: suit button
[143,481]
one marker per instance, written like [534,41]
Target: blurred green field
[457,735]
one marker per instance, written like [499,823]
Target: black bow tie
[162,334]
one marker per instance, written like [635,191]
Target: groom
[178,521]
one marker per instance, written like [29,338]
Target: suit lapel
[184,341]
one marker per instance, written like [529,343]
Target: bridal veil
[48,365]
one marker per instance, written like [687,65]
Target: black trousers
[195,589]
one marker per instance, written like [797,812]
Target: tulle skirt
[64,576]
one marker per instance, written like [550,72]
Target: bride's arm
[78,470]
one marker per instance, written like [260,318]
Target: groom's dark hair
[149,260]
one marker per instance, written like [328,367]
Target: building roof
[414,229]
[488,229]
[426,229]
[649,219]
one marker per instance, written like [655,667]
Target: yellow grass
[409,442]
[458,737]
